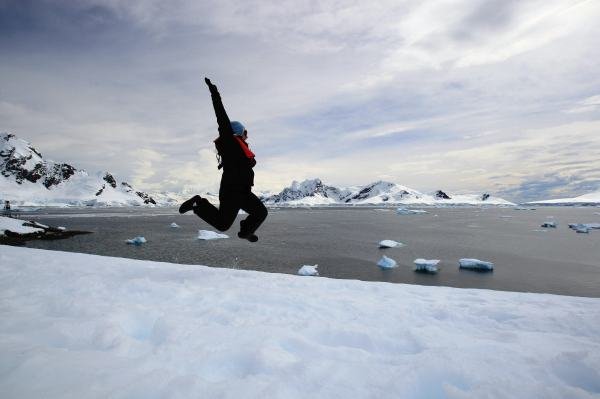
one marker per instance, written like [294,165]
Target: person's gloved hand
[211,87]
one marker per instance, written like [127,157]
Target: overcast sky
[465,96]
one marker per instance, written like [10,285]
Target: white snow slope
[85,326]
[591,198]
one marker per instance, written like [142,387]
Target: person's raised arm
[222,118]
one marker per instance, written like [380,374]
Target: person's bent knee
[223,227]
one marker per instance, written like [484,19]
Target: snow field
[77,325]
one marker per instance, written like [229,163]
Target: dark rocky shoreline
[47,233]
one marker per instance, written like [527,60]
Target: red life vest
[249,154]
[243,145]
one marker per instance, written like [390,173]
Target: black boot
[249,237]
[244,234]
[189,204]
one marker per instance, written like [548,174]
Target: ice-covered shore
[76,325]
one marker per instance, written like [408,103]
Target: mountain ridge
[30,179]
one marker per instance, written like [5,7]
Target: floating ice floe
[549,224]
[505,216]
[61,228]
[136,241]
[386,263]
[308,270]
[426,265]
[522,208]
[475,264]
[406,211]
[584,227]
[175,225]
[210,235]
[390,244]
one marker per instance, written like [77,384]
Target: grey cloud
[487,17]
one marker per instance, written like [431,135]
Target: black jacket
[237,167]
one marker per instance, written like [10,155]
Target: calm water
[343,242]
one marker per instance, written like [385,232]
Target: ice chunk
[210,235]
[426,265]
[583,226]
[549,224]
[308,270]
[175,225]
[136,241]
[406,211]
[61,228]
[390,244]
[386,263]
[475,264]
[582,230]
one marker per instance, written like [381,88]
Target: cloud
[422,93]
[588,104]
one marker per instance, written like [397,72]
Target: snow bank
[85,326]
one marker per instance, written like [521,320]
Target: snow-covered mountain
[586,199]
[28,179]
[309,192]
[314,192]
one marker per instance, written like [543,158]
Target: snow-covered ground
[85,326]
[587,199]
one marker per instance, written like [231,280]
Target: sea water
[344,243]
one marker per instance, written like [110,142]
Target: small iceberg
[390,244]
[475,264]
[549,224]
[175,225]
[308,270]
[210,235]
[426,265]
[406,211]
[136,241]
[386,263]
[584,227]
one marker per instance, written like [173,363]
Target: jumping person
[235,192]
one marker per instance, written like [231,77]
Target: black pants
[233,198]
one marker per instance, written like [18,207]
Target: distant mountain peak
[30,178]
